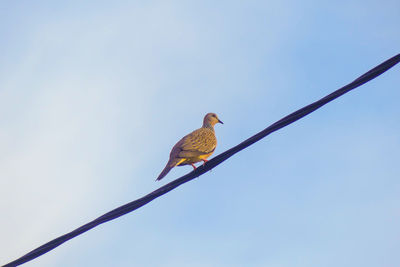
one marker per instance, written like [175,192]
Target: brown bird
[194,147]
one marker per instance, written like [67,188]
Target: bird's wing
[191,154]
[197,143]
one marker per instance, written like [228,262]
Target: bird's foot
[204,161]
[194,166]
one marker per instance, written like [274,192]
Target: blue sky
[94,94]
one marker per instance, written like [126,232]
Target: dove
[194,147]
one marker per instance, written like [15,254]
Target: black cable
[131,206]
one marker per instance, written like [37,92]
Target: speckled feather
[194,147]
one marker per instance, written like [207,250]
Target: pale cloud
[60,132]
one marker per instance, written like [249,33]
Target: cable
[131,206]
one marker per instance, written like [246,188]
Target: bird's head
[211,119]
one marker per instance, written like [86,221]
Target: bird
[194,147]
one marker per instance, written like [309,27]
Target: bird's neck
[208,126]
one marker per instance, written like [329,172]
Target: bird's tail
[164,172]
[171,163]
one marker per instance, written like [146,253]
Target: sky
[94,94]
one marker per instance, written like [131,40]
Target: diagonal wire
[131,206]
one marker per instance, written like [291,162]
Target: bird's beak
[220,121]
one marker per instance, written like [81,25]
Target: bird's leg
[204,162]
[194,167]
